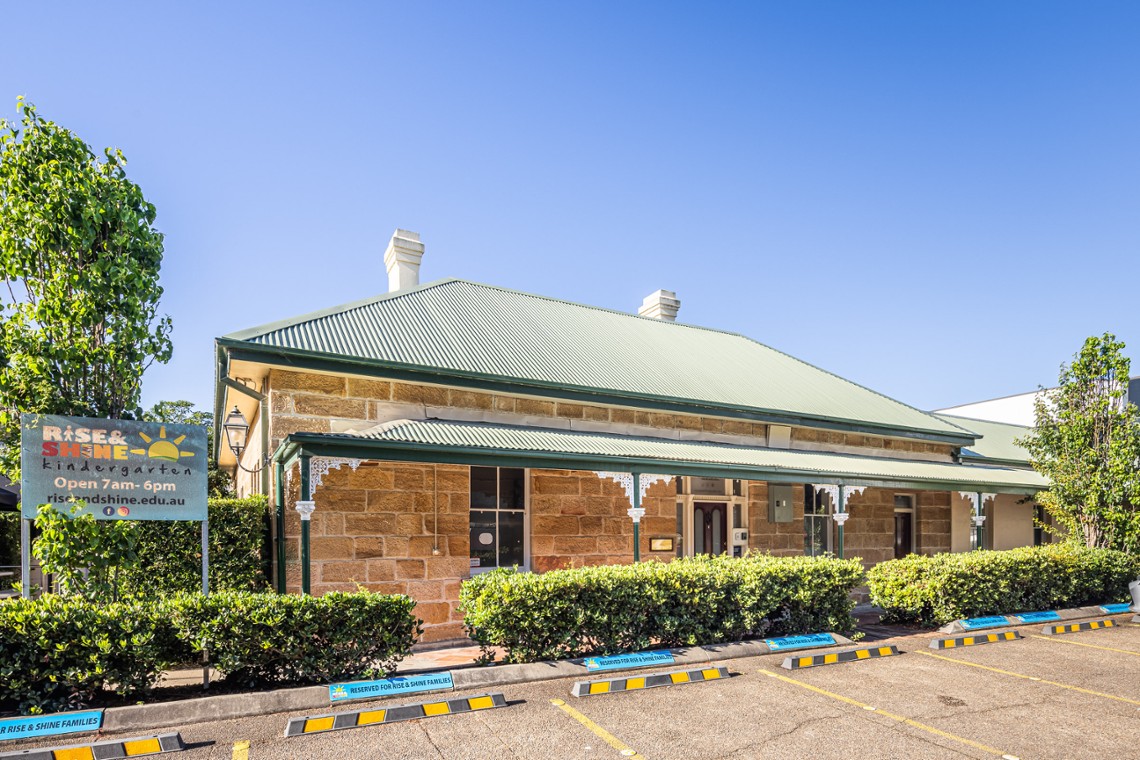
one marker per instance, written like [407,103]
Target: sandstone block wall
[392,528]
[580,519]
[313,402]
[870,531]
[404,528]
[781,539]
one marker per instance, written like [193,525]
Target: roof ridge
[268,327]
[594,307]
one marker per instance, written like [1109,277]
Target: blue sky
[936,200]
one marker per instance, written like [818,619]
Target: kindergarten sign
[122,469]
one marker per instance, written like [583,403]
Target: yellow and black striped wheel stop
[314,724]
[110,750]
[647,681]
[970,641]
[1091,625]
[834,658]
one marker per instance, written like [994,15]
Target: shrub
[936,590]
[60,653]
[624,608]
[9,538]
[170,553]
[85,557]
[264,639]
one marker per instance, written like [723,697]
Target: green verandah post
[305,508]
[979,522]
[635,513]
[279,498]
[840,518]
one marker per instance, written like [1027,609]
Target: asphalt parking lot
[1070,696]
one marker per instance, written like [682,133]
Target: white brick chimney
[402,260]
[662,305]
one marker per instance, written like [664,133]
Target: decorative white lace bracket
[320,466]
[833,492]
[972,497]
[625,480]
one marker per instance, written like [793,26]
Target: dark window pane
[738,488]
[904,502]
[483,488]
[737,522]
[815,535]
[510,539]
[815,502]
[512,488]
[483,539]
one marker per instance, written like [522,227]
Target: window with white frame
[498,517]
[817,522]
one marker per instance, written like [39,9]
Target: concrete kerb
[1074,613]
[232,706]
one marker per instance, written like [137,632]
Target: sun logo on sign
[162,448]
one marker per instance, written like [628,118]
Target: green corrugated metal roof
[437,435]
[998,439]
[473,330]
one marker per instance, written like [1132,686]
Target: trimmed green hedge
[936,590]
[686,602]
[170,553]
[265,639]
[59,653]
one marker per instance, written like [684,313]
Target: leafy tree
[86,556]
[1087,443]
[80,257]
[219,484]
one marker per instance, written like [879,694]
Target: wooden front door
[710,528]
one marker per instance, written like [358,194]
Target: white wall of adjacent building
[1017,410]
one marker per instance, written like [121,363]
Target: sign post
[25,557]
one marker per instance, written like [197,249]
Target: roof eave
[314,360]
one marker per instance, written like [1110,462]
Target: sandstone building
[443,429]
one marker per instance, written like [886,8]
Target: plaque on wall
[660,544]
